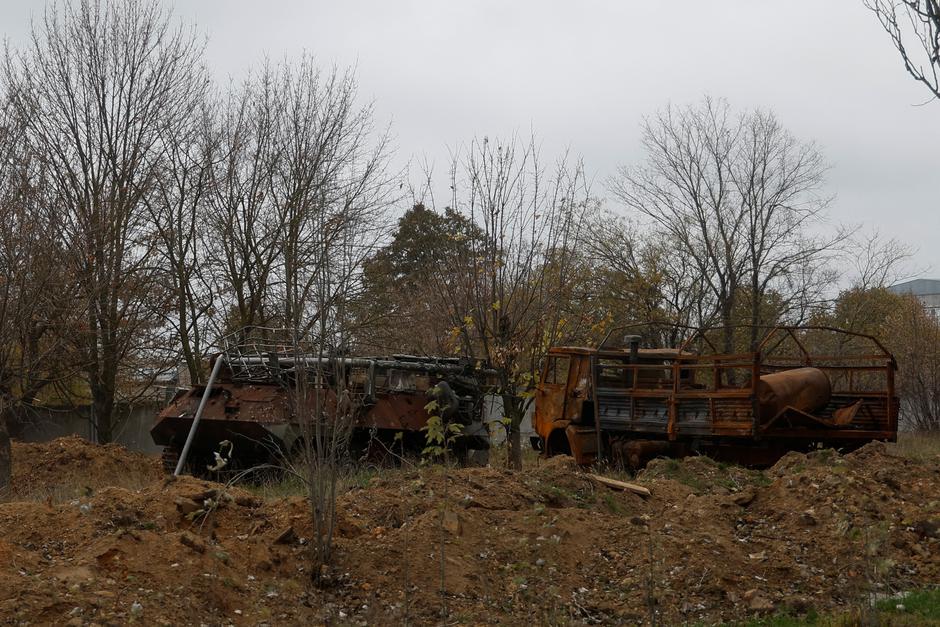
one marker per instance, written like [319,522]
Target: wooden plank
[619,485]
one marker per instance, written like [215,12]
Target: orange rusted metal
[750,406]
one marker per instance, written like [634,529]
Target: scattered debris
[619,485]
[287,536]
[757,602]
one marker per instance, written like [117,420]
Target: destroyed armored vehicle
[802,388]
[249,414]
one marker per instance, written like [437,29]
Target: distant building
[926,290]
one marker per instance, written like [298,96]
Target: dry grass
[75,485]
[278,485]
[919,446]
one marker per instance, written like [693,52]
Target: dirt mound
[718,542]
[165,554]
[703,475]
[713,543]
[68,466]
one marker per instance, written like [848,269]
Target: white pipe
[202,404]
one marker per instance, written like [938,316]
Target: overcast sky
[583,74]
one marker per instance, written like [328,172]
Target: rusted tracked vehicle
[249,400]
[625,403]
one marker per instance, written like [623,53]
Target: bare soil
[70,466]
[714,543]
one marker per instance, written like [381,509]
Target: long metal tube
[355,362]
[202,405]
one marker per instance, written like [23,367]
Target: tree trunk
[6,458]
[727,323]
[755,312]
[512,408]
[193,366]
[727,377]
[515,447]
[102,407]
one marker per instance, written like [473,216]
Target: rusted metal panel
[550,395]
[396,411]
[583,444]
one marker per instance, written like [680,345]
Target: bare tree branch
[914,29]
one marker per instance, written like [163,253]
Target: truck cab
[566,404]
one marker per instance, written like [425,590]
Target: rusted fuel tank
[805,389]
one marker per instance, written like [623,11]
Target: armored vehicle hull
[253,406]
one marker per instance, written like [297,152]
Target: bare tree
[177,213]
[686,189]
[640,278]
[740,199]
[8,161]
[867,306]
[242,225]
[879,262]
[778,183]
[35,295]
[914,29]
[330,188]
[516,279]
[99,85]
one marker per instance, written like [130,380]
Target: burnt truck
[248,403]
[624,402]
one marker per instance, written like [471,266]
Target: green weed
[921,604]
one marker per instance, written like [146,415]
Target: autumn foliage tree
[906,327]
[911,332]
[412,285]
[635,277]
